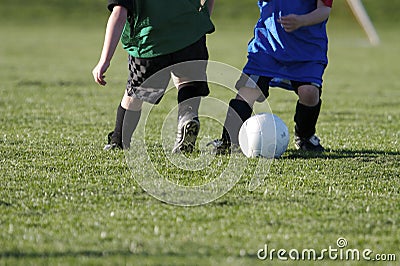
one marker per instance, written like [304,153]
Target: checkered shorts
[149,77]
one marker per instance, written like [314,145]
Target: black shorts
[264,83]
[149,77]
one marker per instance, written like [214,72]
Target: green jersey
[159,27]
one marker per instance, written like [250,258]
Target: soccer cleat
[111,144]
[223,147]
[188,129]
[308,144]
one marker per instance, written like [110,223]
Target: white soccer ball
[264,135]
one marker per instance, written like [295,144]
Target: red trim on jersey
[328,2]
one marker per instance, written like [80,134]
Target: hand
[98,72]
[291,22]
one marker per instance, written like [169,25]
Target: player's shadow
[339,154]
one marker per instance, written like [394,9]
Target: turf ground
[64,201]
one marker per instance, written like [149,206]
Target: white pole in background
[362,17]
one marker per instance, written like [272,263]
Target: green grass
[64,201]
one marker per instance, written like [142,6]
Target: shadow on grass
[340,154]
[55,254]
[138,256]
[4,203]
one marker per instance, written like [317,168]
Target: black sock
[130,123]
[117,135]
[306,118]
[125,124]
[238,112]
[187,101]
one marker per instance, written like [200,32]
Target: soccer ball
[263,135]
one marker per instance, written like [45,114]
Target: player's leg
[133,112]
[190,78]
[306,116]
[139,88]
[188,119]
[239,110]
[189,98]
[127,118]
[250,90]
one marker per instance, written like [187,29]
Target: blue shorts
[267,66]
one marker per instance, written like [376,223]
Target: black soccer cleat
[222,147]
[188,129]
[112,143]
[311,144]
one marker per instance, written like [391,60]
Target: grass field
[64,201]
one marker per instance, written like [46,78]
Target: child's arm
[292,22]
[115,26]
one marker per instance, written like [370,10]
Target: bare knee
[250,95]
[130,103]
[308,95]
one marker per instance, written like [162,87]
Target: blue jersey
[300,55]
